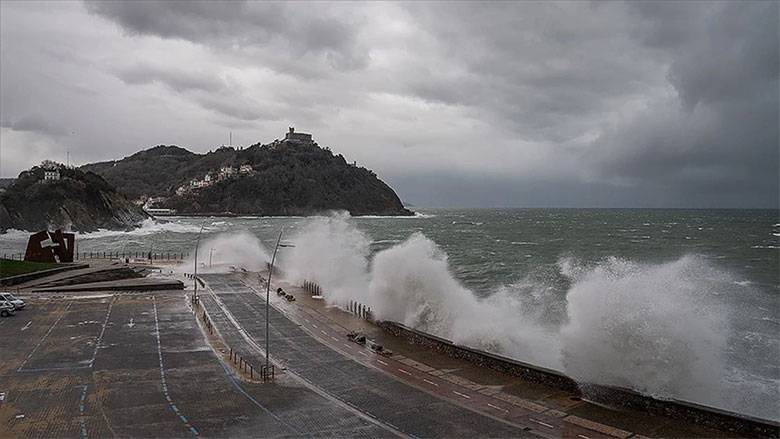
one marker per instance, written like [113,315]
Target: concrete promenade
[399,396]
[350,370]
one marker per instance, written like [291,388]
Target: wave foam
[225,251]
[654,328]
[659,329]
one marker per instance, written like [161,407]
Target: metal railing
[267,374]
[150,256]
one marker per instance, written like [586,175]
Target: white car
[6,309]
[17,303]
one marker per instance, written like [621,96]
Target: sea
[675,304]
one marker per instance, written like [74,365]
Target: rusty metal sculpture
[46,246]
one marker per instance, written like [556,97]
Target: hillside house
[226,172]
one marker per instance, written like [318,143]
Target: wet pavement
[240,316]
[138,365]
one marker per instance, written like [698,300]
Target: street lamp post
[197,244]
[267,305]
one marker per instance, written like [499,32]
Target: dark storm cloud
[296,29]
[463,103]
[543,70]
[724,137]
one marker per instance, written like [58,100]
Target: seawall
[611,396]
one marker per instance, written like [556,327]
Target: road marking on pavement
[541,423]
[81,412]
[430,382]
[40,342]
[102,331]
[381,362]
[173,407]
[460,394]
[403,371]
[347,345]
[363,354]
[323,332]
[334,338]
[314,325]
[583,436]
[498,408]
[27,325]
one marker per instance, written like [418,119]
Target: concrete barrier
[22,278]
[611,396]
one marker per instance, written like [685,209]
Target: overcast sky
[453,104]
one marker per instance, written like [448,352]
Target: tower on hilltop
[297,138]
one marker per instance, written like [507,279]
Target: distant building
[245,169]
[51,175]
[152,201]
[226,172]
[297,138]
[160,212]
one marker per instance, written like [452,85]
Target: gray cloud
[34,123]
[177,80]
[506,103]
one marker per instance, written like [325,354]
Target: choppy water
[673,303]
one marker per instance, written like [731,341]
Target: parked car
[16,302]
[6,309]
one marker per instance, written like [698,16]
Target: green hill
[285,179]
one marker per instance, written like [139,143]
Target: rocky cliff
[74,200]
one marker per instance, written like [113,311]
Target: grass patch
[10,267]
